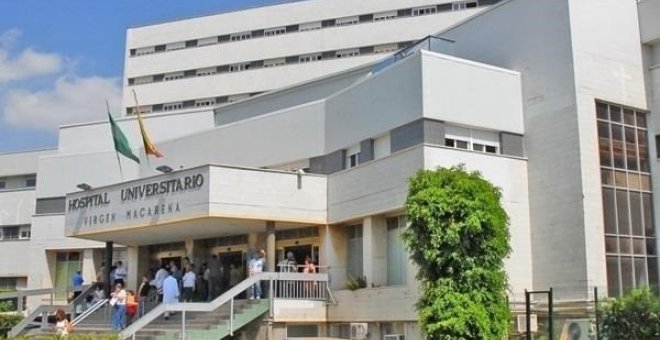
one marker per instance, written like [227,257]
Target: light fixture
[84,186]
[164,169]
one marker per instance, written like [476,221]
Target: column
[133,259]
[108,265]
[88,267]
[374,250]
[334,254]
[270,246]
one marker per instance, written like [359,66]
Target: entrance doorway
[166,261]
[233,257]
[300,252]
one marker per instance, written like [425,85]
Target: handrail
[42,310]
[228,296]
[89,311]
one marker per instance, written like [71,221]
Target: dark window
[3,185]
[609,211]
[612,276]
[31,182]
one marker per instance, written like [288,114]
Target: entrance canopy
[199,202]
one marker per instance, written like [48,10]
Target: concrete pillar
[270,245]
[374,250]
[88,267]
[108,265]
[333,244]
[133,259]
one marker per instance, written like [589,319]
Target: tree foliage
[458,236]
[635,315]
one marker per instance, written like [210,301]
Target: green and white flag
[121,142]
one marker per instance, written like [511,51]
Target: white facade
[208,60]
[332,147]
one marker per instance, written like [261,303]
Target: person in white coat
[170,292]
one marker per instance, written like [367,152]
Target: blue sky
[60,58]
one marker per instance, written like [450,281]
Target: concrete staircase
[199,325]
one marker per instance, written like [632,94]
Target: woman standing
[118,303]
[309,268]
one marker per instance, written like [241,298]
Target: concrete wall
[22,163]
[515,36]
[291,44]
[608,66]
[472,94]
[649,12]
[16,207]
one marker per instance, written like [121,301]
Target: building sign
[150,201]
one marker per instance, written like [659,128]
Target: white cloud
[71,100]
[28,63]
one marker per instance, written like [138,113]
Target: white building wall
[21,163]
[515,36]
[608,66]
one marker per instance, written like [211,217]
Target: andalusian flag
[149,147]
[121,143]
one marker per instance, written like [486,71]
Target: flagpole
[120,170]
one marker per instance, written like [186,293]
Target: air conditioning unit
[578,329]
[359,331]
[395,337]
[521,322]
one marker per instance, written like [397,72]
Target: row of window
[16,232]
[309,26]
[10,183]
[203,102]
[275,62]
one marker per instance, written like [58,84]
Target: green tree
[635,315]
[458,236]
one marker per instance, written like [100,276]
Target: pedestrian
[256,266]
[143,294]
[100,275]
[118,303]
[215,277]
[77,283]
[235,275]
[170,293]
[310,268]
[189,279]
[62,326]
[131,306]
[158,280]
[120,274]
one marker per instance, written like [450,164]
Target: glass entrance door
[67,264]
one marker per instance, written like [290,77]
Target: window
[173,76]
[206,71]
[172,106]
[310,26]
[25,232]
[274,62]
[354,251]
[275,31]
[31,182]
[143,80]
[397,258]
[389,48]
[8,283]
[207,41]
[175,46]
[204,102]
[145,50]
[457,143]
[347,21]
[143,109]
[382,146]
[630,238]
[354,52]
[385,16]
[239,67]
[353,160]
[309,58]
[240,36]
[10,233]
[3,185]
[424,10]
[302,331]
[237,97]
[472,139]
[459,6]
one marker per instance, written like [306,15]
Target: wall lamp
[164,169]
[84,186]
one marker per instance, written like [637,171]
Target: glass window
[31,182]
[641,279]
[624,245]
[302,330]
[355,253]
[601,111]
[653,272]
[647,209]
[639,246]
[631,149]
[612,276]
[617,147]
[620,179]
[615,113]
[626,274]
[628,117]
[636,214]
[397,258]
[611,244]
[622,212]
[10,233]
[609,211]
[641,119]
[3,185]
[642,141]
[651,246]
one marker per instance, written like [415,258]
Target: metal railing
[298,280]
[89,311]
